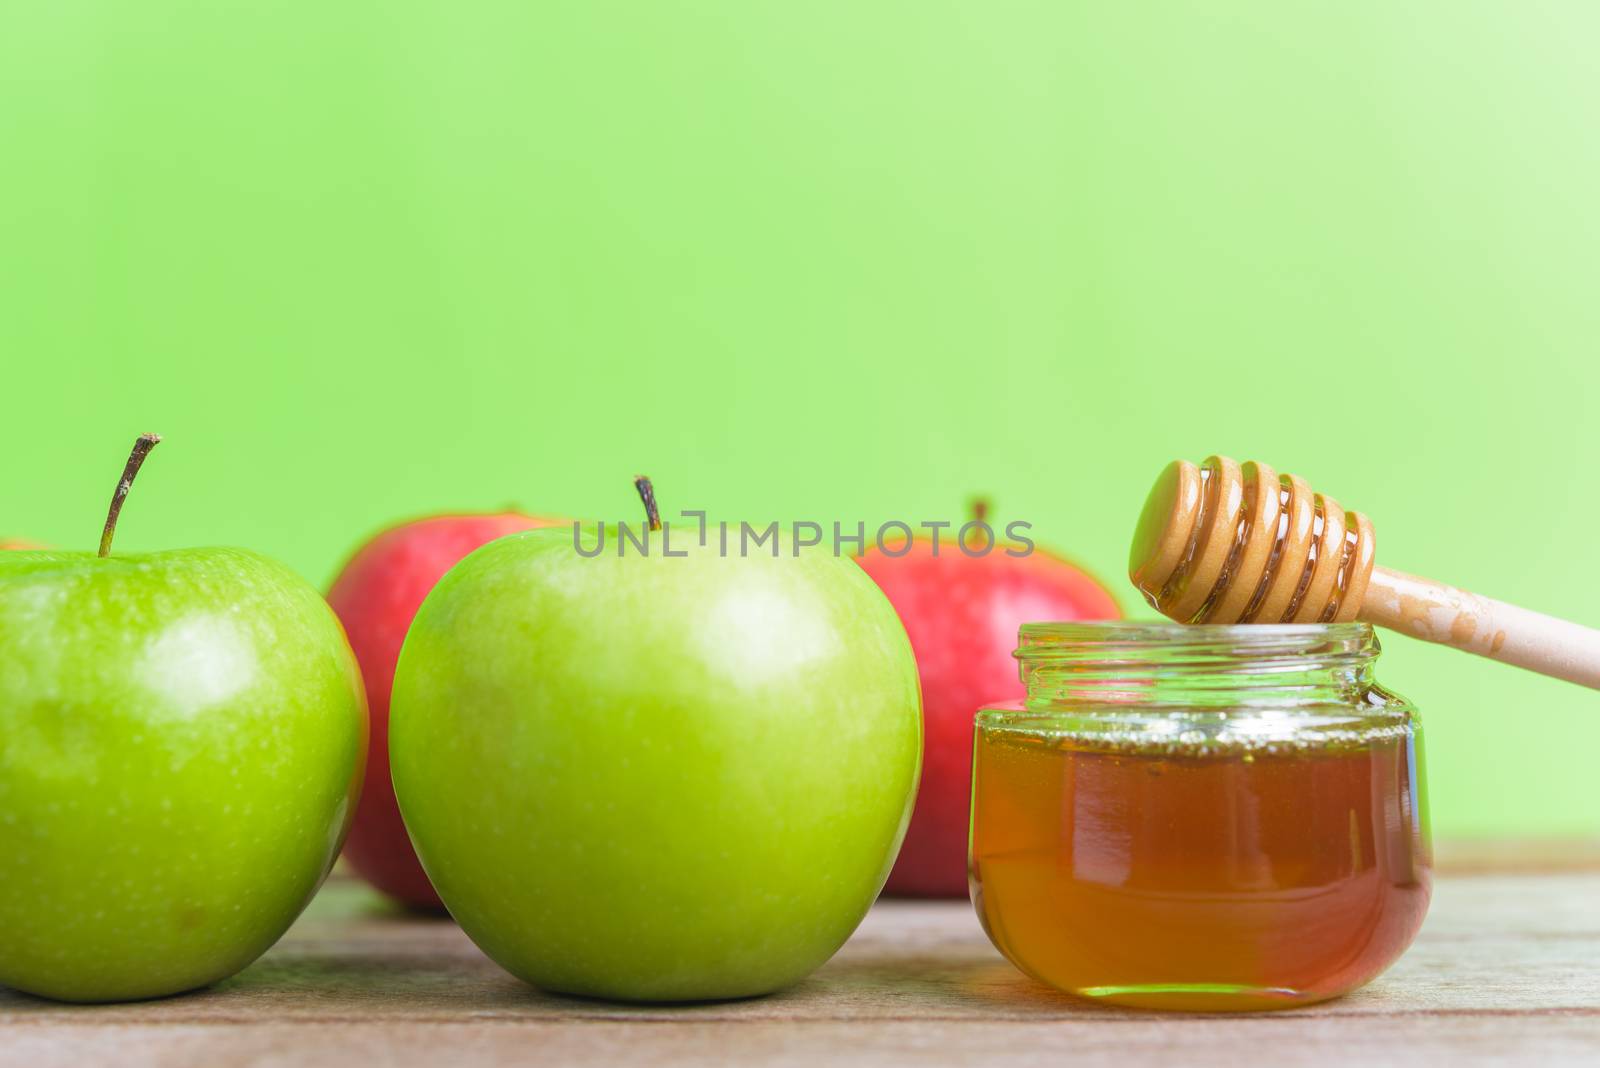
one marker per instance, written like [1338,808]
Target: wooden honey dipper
[1212,548]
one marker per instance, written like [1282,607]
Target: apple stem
[980,509]
[647,494]
[141,449]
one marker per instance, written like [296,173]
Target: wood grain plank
[1505,963]
[1226,1043]
[1500,856]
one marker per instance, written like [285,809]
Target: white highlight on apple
[755,636]
[198,663]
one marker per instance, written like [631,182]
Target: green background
[359,261]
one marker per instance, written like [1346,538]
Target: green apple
[182,737]
[655,777]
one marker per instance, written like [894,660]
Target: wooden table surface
[1507,967]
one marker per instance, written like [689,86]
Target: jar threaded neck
[1171,665]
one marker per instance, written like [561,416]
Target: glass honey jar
[1200,818]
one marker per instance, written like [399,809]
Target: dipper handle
[1237,543]
[1435,612]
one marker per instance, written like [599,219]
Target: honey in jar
[1200,818]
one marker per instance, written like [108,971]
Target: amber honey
[1206,857]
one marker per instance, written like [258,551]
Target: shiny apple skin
[182,737]
[661,778]
[375,596]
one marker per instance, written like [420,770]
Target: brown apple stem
[647,494]
[141,449]
[980,509]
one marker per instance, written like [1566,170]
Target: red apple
[375,596]
[962,613]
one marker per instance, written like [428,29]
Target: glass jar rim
[1133,642]
[1256,636]
[1137,668]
